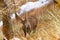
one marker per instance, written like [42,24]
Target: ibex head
[29,24]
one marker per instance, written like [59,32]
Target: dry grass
[48,27]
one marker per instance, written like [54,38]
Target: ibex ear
[19,18]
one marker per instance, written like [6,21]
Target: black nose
[55,2]
[3,39]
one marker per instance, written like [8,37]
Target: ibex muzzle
[29,24]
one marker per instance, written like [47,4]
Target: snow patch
[13,16]
[15,38]
[32,5]
[1,23]
[43,0]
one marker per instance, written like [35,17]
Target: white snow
[1,23]
[43,0]
[15,38]
[13,16]
[32,5]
